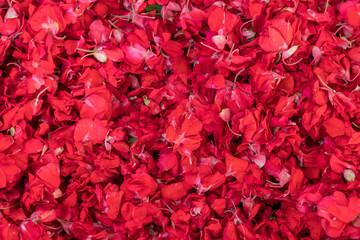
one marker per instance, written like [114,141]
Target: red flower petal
[334,127]
[5,142]
[173,48]
[215,82]
[173,191]
[50,175]
[276,37]
[90,130]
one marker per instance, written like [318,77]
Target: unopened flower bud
[349,175]
[225,114]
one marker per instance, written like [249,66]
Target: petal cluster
[174,119]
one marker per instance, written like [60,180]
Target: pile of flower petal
[179,119]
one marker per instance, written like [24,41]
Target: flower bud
[349,175]
[100,56]
[225,114]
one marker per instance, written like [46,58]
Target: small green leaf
[131,140]
[156,7]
